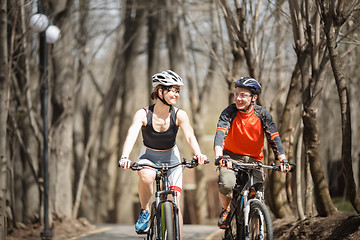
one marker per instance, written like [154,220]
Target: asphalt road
[116,231]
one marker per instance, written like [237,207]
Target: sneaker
[142,224]
[223,222]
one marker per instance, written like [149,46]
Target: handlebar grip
[292,167]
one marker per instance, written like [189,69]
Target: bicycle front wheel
[168,219]
[260,224]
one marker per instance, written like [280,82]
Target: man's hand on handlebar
[223,161]
[284,166]
[125,163]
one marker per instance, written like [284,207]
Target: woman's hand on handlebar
[125,163]
[201,158]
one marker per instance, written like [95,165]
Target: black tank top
[160,140]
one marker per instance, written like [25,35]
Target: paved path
[116,231]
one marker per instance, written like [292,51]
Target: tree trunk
[309,190]
[4,106]
[325,206]
[134,24]
[332,26]
[29,132]
[80,160]
[62,106]
[200,94]
[155,33]
[286,131]
[299,174]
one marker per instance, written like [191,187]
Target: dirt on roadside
[62,230]
[344,226]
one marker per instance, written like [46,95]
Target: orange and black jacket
[243,133]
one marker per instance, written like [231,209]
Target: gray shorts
[227,178]
[171,156]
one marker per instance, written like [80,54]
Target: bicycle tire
[260,223]
[169,233]
[153,230]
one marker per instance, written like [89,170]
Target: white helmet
[166,78]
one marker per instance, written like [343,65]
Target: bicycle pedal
[224,227]
[141,232]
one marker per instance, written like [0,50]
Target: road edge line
[103,229]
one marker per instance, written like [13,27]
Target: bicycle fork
[246,213]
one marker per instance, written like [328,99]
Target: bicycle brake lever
[135,166]
[193,163]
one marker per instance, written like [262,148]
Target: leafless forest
[98,73]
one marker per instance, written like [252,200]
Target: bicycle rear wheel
[260,224]
[234,230]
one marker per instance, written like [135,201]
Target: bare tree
[81,160]
[280,196]
[4,106]
[155,33]
[62,85]
[311,55]
[334,14]
[200,93]
[131,38]
[24,141]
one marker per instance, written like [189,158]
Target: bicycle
[164,214]
[249,216]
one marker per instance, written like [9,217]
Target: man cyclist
[159,124]
[240,134]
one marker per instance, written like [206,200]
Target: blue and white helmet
[166,78]
[249,83]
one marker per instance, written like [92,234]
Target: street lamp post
[48,34]
[47,234]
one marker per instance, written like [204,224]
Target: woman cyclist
[159,124]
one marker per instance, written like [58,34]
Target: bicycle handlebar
[258,164]
[165,166]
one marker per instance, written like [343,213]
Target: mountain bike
[249,216]
[164,214]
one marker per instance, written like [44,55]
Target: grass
[343,204]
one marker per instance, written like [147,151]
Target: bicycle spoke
[260,225]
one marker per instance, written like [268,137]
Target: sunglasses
[173,89]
